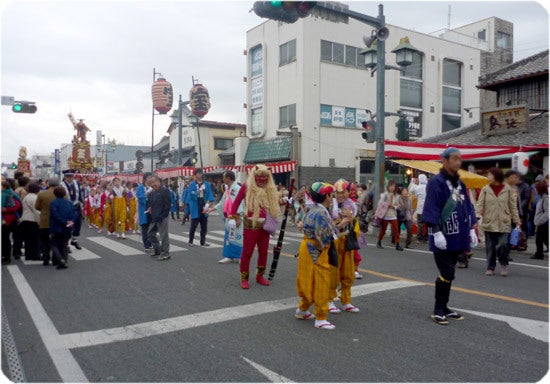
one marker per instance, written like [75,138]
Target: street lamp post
[194,120]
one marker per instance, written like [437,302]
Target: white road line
[534,328]
[116,246]
[274,377]
[159,327]
[63,359]
[173,248]
[84,254]
[31,262]
[272,241]
[185,239]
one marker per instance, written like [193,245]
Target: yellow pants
[108,217]
[132,214]
[344,274]
[95,218]
[119,215]
[313,281]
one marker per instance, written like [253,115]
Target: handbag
[351,241]
[514,237]
[381,210]
[270,224]
[362,240]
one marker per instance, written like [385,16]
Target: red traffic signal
[285,11]
[370,128]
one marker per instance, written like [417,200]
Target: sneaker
[323,324]
[163,257]
[205,245]
[118,235]
[462,265]
[489,272]
[358,275]
[503,270]
[450,314]
[245,285]
[333,308]
[225,260]
[99,230]
[440,319]
[149,250]
[303,315]
[350,308]
[191,244]
[260,280]
[123,236]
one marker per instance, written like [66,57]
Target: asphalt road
[118,315]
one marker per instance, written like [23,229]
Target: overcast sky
[96,59]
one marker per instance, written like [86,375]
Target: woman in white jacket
[419,190]
[29,223]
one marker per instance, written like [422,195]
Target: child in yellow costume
[132,208]
[119,208]
[343,216]
[107,201]
[315,261]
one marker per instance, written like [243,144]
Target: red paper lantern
[163,95]
[199,100]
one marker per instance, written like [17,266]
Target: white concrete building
[310,75]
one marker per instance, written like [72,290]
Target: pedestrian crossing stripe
[84,254]
[271,241]
[115,246]
[137,238]
[186,239]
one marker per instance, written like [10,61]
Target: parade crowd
[46,218]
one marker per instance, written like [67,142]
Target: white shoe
[123,236]
[303,315]
[110,233]
[323,324]
[350,308]
[358,275]
[333,308]
[118,235]
[225,260]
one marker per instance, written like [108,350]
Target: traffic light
[13,166]
[286,11]
[402,129]
[370,129]
[23,107]
[194,158]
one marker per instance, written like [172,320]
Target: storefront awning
[471,180]
[269,150]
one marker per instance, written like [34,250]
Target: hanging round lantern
[162,95]
[520,162]
[199,100]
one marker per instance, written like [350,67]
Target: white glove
[473,238]
[440,241]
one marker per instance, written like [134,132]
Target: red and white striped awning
[279,167]
[428,151]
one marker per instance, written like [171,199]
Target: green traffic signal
[23,107]
[276,3]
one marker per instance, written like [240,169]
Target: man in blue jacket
[450,218]
[144,218]
[199,197]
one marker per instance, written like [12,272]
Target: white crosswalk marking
[137,238]
[84,254]
[185,238]
[116,246]
[271,241]
[31,262]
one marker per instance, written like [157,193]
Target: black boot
[398,247]
[379,244]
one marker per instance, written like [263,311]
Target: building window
[341,54]
[452,95]
[287,52]
[481,35]
[411,93]
[351,55]
[287,116]
[222,143]
[257,122]
[414,71]
[504,40]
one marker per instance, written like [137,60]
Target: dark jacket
[160,204]
[457,227]
[61,211]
